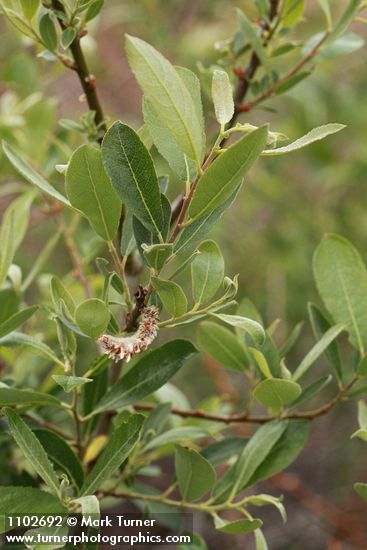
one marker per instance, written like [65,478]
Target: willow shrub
[92,428]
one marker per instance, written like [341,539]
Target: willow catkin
[126,347]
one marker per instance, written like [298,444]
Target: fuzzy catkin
[118,348]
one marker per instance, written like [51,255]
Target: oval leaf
[90,191]
[92,317]
[207,272]
[172,296]
[222,97]
[168,94]
[222,177]
[195,475]
[341,280]
[148,375]
[221,344]
[275,392]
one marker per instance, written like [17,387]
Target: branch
[273,87]
[181,203]
[254,63]
[87,80]
[261,419]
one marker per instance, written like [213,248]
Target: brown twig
[181,203]
[260,419]
[87,80]
[293,72]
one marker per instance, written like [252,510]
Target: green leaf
[16,320]
[195,475]
[325,6]
[48,32]
[260,540]
[222,97]
[67,37]
[61,455]
[345,20]
[222,177]
[148,375]
[320,325]
[7,251]
[89,505]
[275,392]
[27,500]
[263,500]
[292,11]
[311,390]
[29,174]
[222,451]
[59,292]
[221,344]
[341,280]
[207,272]
[13,396]
[93,10]
[361,434]
[317,350]
[157,255]
[253,38]
[361,489]
[120,444]
[362,414]
[167,147]
[33,345]
[253,328]
[172,296]
[284,452]
[92,317]
[254,453]
[177,435]
[314,135]
[69,383]
[168,94]
[131,170]
[32,450]
[128,242]
[261,362]
[90,191]
[291,83]
[237,527]
[342,45]
[193,233]
[29,8]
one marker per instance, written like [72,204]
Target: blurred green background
[268,237]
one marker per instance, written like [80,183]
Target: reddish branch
[260,419]
[87,80]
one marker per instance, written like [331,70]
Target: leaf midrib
[137,184]
[182,120]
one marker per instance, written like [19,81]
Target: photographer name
[116,520]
